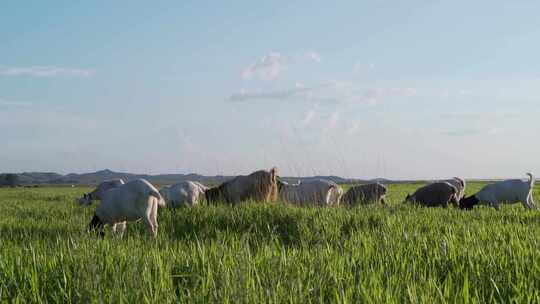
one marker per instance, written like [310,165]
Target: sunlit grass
[272,253]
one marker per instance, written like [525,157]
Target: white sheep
[185,193]
[508,191]
[314,192]
[135,200]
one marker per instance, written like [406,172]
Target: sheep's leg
[454,200]
[525,203]
[97,224]
[153,217]
[149,224]
[530,201]
[192,200]
[118,229]
[122,229]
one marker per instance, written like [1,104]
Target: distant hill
[38,177]
[93,178]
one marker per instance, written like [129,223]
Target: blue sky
[396,89]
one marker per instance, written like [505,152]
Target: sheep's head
[381,189]
[468,202]
[213,195]
[281,184]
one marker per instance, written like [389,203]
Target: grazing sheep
[258,186]
[504,192]
[435,194]
[129,202]
[460,185]
[96,195]
[186,193]
[365,194]
[314,192]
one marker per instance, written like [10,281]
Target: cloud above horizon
[268,67]
[14,103]
[45,71]
[328,93]
[271,65]
[299,92]
[313,56]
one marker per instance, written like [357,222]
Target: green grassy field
[270,253]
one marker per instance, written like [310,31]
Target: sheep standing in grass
[435,194]
[365,194]
[259,186]
[186,193]
[97,194]
[314,192]
[133,201]
[508,191]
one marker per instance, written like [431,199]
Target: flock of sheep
[138,199]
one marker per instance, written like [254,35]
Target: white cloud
[333,120]
[45,71]
[461,131]
[271,65]
[355,127]
[327,93]
[308,118]
[313,56]
[361,67]
[375,95]
[468,123]
[299,92]
[486,116]
[268,67]
[13,103]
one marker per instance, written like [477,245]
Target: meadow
[269,253]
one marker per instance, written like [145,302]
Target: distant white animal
[129,202]
[504,192]
[96,195]
[314,192]
[435,194]
[185,193]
